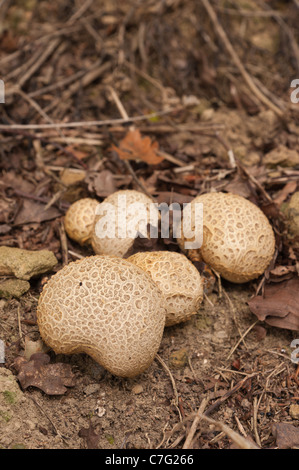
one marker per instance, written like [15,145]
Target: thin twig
[241,441]
[189,438]
[106,122]
[242,336]
[64,244]
[247,78]
[176,396]
[228,394]
[255,409]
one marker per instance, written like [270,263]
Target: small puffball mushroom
[177,278]
[238,240]
[79,219]
[107,308]
[118,219]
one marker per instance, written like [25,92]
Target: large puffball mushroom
[119,218]
[79,219]
[237,239]
[178,280]
[107,308]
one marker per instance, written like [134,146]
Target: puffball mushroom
[79,219]
[238,240]
[107,308]
[119,217]
[178,280]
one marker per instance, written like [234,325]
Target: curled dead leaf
[38,372]
[279,306]
[135,147]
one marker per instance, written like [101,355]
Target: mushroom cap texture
[178,280]
[107,308]
[119,245]
[238,240]
[79,219]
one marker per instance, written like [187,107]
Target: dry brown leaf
[289,188]
[286,435]
[32,211]
[279,306]
[135,147]
[38,372]
[90,436]
[102,183]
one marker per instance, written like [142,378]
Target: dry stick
[224,38]
[9,130]
[19,323]
[255,409]
[34,104]
[32,45]
[241,441]
[176,396]
[80,11]
[233,310]
[242,336]
[274,372]
[76,255]
[189,438]
[37,107]
[56,431]
[64,244]
[224,397]
[31,71]
[92,74]
[293,43]
[106,122]
[61,83]
[255,182]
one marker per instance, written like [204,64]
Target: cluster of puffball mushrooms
[115,309]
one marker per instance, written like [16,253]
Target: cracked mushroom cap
[177,278]
[107,308]
[119,217]
[79,219]
[238,240]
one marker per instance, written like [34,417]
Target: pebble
[24,264]
[294,411]
[137,389]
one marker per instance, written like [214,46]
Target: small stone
[292,212]
[25,264]
[13,288]
[91,388]
[282,156]
[207,114]
[179,359]
[251,159]
[294,411]
[70,176]
[137,389]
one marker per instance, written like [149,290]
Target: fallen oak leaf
[135,147]
[279,306]
[38,372]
